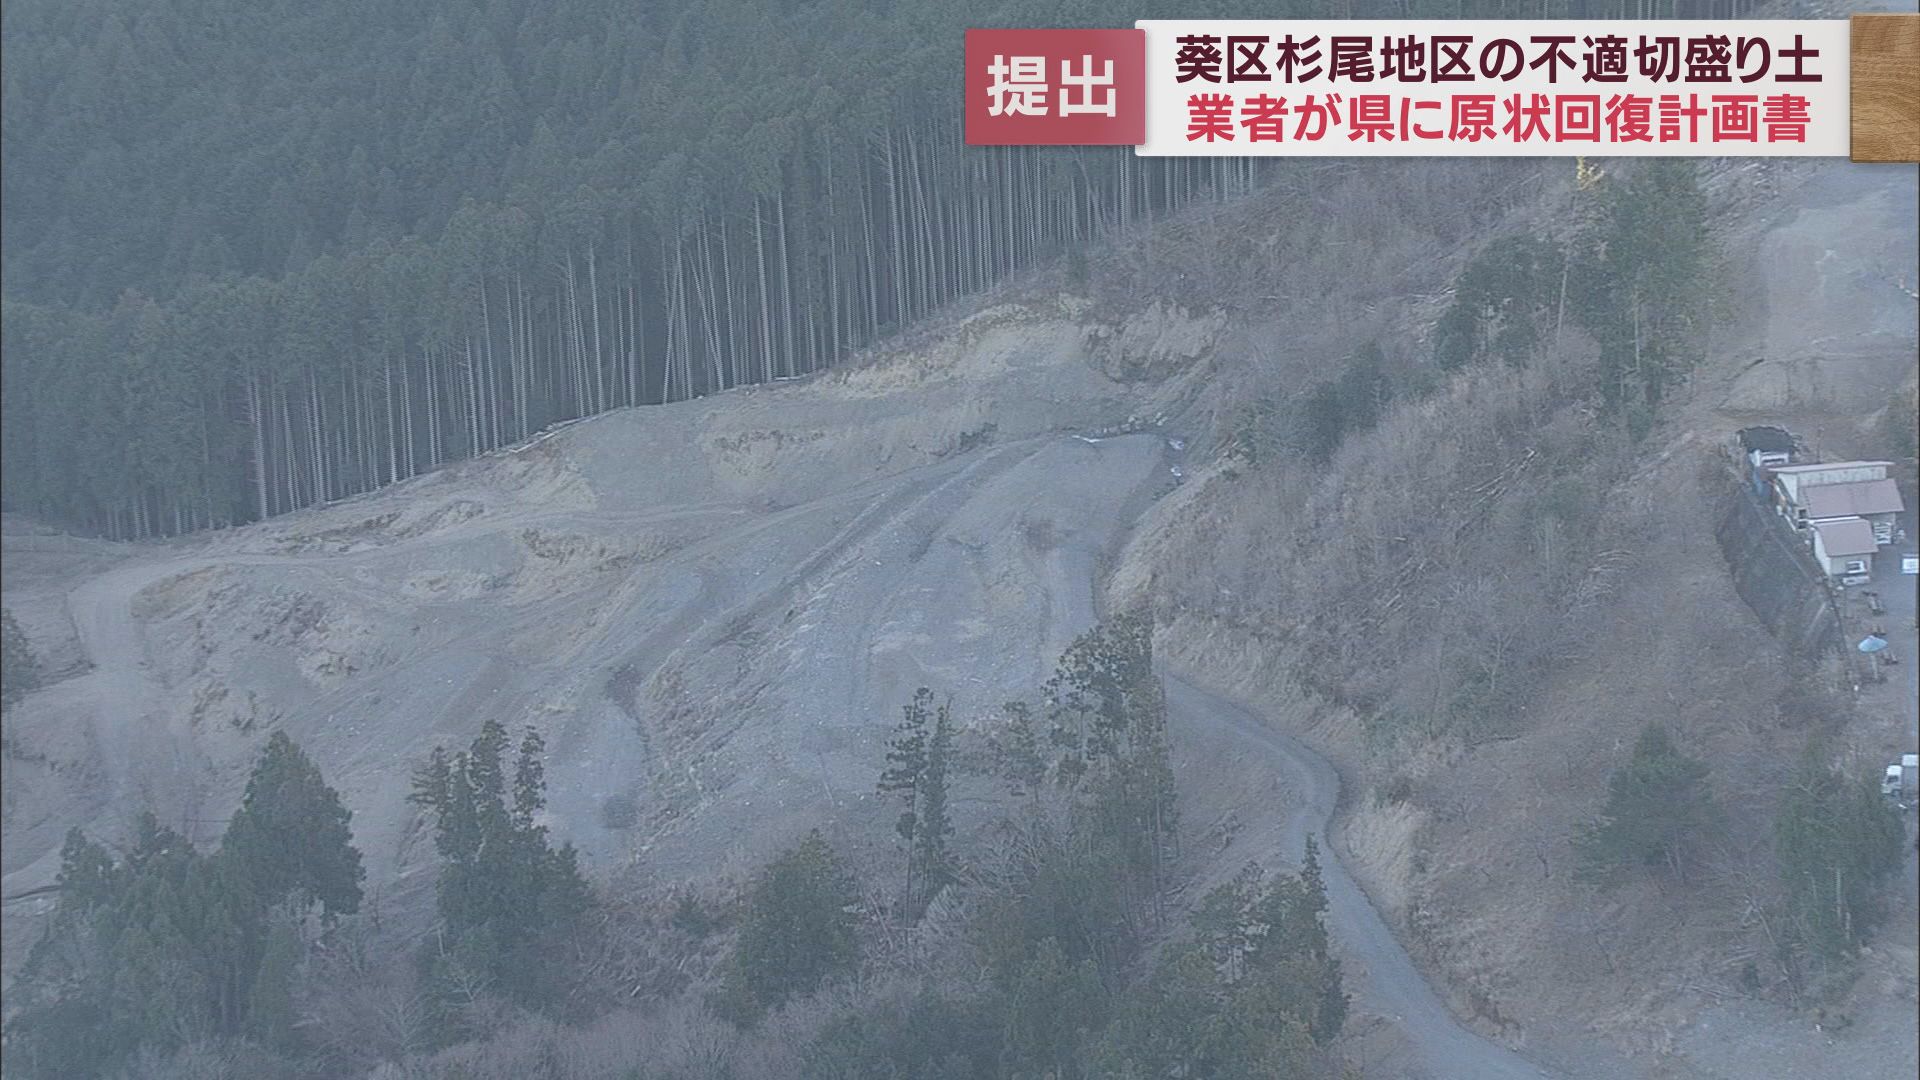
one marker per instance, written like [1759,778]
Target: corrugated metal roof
[1853,499]
[1843,537]
[1825,466]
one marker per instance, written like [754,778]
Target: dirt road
[1381,971]
[1378,968]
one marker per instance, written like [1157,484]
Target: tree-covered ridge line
[149,142]
[678,213]
[241,398]
[259,258]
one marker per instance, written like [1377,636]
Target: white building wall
[1828,564]
[1792,482]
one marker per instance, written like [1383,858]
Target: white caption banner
[1736,88]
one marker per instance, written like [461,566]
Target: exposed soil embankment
[1780,582]
[711,608]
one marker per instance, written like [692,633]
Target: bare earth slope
[713,611]
[709,609]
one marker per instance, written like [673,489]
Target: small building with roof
[1790,482]
[1876,501]
[1844,547]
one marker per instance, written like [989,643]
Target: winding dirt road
[1388,982]
[1386,979]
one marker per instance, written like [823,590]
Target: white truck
[1902,782]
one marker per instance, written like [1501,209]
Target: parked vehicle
[1902,782]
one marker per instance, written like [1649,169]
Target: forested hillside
[259,259]
[263,256]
